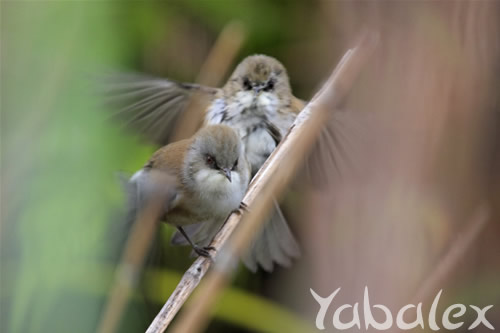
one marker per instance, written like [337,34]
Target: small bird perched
[256,101]
[202,179]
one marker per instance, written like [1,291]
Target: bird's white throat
[216,183]
[224,195]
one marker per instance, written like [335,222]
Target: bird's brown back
[170,158]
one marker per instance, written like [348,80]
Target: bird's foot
[204,251]
[241,208]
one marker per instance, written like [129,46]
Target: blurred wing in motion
[275,243]
[151,106]
[338,149]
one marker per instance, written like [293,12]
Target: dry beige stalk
[211,74]
[456,251]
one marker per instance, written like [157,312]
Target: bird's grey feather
[147,187]
[150,106]
[336,150]
[274,243]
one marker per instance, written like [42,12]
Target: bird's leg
[242,207]
[201,251]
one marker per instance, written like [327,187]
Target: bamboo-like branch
[269,182]
[135,251]
[138,243]
[211,74]
[456,251]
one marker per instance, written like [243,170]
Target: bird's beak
[257,89]
[227,173]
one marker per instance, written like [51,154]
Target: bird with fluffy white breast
[205,178]
[256,101]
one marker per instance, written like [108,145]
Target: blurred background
[412,205]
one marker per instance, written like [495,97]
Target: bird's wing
[150,105]
[154,190]
[274,244]
[340,147]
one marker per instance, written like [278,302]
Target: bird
[256,101]
[199,181]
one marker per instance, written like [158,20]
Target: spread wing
[151,106]
[339,149]
[274,244]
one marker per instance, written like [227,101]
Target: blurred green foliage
[59,155]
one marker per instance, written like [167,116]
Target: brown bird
[256,101]
[202,179]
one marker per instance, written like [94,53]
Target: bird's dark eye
[269,86]
[246,84]
[235,165]
[210,161]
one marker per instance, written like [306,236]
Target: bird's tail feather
[275,243]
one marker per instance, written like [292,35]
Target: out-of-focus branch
[136,249]
[211,74]
[457,250]
[127,273]
[269,182]
[139,241]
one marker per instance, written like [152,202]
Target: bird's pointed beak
[227,173]
[256,90]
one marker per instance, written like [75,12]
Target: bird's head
[260,74]
[216,159]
